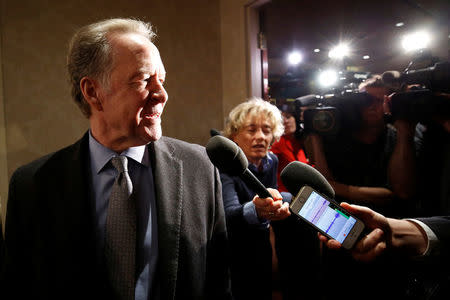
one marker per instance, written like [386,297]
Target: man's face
[254,138]
[373,114]
[134,99]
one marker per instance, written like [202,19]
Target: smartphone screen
[327,216]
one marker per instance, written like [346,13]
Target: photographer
[422,99]
[356,160]
[433,161]
[359,162]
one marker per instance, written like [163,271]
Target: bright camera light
[366,57]
[399,24]
[416,41]
[295,58]
[339,51]
[328,78]
[317,50]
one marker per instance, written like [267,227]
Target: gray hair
[254,107]
[90,53]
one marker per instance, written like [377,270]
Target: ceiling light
[416,41]
[294,58]
[339,52]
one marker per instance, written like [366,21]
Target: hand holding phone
[327,216]
[371,245]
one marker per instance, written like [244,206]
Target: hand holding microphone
[271,208]
[229,158]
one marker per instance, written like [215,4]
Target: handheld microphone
[297,174]
[214,132]
[229,158]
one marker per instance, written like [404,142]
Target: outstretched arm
[401,236]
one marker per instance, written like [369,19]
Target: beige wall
[202,43]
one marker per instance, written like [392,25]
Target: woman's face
[254,138]
[289,123]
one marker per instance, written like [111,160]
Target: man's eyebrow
[137,74]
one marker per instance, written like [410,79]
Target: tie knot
[120,163]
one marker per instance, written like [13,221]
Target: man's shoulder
[191,154]
[180,148]
[52,160]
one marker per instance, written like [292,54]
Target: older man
[120,214]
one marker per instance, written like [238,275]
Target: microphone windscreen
[297,174]
[214,132]
[226,155]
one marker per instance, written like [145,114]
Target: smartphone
[327,216]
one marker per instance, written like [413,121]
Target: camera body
[328,114]
[335,112]
[423,100]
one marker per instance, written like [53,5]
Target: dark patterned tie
[120,244]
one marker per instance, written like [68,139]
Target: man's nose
[158,93]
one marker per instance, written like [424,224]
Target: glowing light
[366,57]
[328,78]
[416,41]
[317,50]
[295,58]
[339,51]
[399,24]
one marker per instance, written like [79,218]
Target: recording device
[229,158]
[435,78]
[341,110]
[327,216]
[423,100]
[313,204]
[335,112]
[419,105]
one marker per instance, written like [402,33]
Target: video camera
[329,114]
[423,100]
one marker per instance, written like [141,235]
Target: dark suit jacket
[50,236]
[440,227]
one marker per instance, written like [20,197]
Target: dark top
[433,171]
[251,252]
[354,163]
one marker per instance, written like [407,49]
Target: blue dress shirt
[140,171]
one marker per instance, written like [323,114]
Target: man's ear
[90,89]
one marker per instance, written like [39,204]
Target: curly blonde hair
[254,107]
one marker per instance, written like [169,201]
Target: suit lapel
[169,200]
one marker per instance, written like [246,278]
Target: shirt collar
[266,163]
[101,155]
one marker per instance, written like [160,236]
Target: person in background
[290,146]
[253,125]
[123,213]
[359,162]
[291,235]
